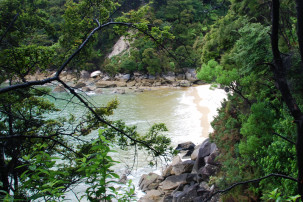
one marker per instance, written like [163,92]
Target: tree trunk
[281,80]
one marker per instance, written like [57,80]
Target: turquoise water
[181,109]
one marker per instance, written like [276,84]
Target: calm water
[185,111]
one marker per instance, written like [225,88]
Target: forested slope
[251,48]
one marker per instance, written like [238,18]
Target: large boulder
[185,83]
[206,147]
[172,182]
[187,195]
[123,77]
[186,146]
[95,74]
[170,76]
[204,151]
[207,171]
[211,159]
[183,167]
[190,75]
[150,181]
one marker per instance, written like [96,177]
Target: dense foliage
[229,42]
[237,54]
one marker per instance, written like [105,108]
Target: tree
[271,96]
[30,143]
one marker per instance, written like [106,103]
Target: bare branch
[252,181]
[72,91]
[284,138]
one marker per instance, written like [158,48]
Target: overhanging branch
[251,181]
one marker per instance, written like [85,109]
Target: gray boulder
[211,159]
[183,167]
[207,171]
[187,195]
[150,181]
[204,151]
[172,182]
[185,83]
[186,146]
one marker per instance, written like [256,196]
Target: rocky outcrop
[183,181]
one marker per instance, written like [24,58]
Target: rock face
[183,181]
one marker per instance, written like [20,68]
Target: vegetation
[253,49]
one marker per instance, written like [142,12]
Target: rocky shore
[95,81]
[184,180]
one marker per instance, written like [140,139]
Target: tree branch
[9,26]
[251,181]
[288,140]
[72,91]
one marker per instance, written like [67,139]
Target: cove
[187,113]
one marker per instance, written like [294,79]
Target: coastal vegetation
[253,49]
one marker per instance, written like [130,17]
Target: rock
[190,75]
[170,76]
[123,77]
[86,89]
[199,82]
[121,84]
[119,91]
[187,154]
[187,195]
[185,83]
[98,91]
[207,170]
[211,159]
[176,160]
[180,77]
[80,85]
[151,77]
[105,84]
[186,146]
[95,74]
[139,90]
[194,155]
[131,84]
[183,167]
[59,89]
[204,151]
[84,74]
[167,171]
[172,182]
[150,181]
[152,195]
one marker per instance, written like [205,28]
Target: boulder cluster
[138,82]
[183,180]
